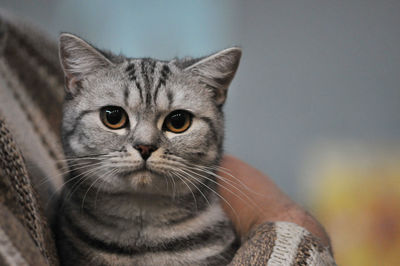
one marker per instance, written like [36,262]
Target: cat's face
[142,124]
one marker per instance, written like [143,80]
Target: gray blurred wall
[311,70]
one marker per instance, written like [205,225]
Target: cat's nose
[145,150]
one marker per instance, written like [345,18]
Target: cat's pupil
[178,120]
[113,115]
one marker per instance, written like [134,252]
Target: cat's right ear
[78,59]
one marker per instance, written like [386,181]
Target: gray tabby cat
[143,138]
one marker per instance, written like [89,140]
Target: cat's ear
[78,59]
[217,71]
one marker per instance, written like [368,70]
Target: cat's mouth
[144,169]
[141,177]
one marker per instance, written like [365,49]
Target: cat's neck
[129,206]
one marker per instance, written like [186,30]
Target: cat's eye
[113,117]
[178,121]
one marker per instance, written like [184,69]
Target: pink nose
[145,150]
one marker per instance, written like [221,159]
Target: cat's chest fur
[125,230]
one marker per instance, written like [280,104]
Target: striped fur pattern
[119,209]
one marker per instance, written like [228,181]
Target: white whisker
[83,175]
[183,180]
[97,179]
[70,180]
[226,171]
[217,194]
[250,200]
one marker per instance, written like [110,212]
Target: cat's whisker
[84,175]
[89,155]
[72,164]
[65,183]
[78,159]
[219,195]
[94,182]
[219,184]
[182,178]
[78,165]
[80,177]
[227,181]
[167,176]
[78,162]
[69,171]
[226,171]
[217,168]
[177,167]
[170,173]
[99,188]
[171,157]
[72,159]
[173,186]
[61,170]
[201,192]
[249,199]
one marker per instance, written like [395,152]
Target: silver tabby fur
[118,209]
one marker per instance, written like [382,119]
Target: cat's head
[135,124]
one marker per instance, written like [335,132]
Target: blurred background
[315,103]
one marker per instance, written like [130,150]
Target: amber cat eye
[178,121]
[113,117]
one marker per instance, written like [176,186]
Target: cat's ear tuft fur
[78,58]
[217,71]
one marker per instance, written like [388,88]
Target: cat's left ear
[217,71]
[78,59]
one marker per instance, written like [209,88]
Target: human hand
[252,198]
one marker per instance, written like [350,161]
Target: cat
[143,138]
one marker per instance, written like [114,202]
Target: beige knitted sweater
[31,93]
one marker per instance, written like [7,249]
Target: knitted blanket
[31,94]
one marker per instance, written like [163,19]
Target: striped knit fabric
[282,243]
[31,94]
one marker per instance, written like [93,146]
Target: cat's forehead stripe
[131,69]
[126,95]
[165,71]
[145,66]
[147,74]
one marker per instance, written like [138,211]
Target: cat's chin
[141,179]
[144,181]
[149,179]
[142,174]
